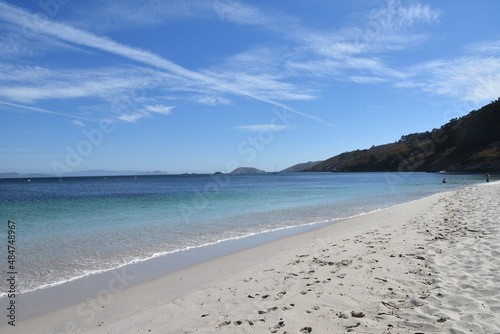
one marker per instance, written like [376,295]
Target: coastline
[104,230]
[376,269]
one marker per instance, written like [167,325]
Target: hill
[301,166]
[467,144]
[247,170]
[85,173]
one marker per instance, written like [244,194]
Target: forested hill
[467,144]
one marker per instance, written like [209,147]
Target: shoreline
[214,249]
[228,288]
[68,267]
[77,290]
[254,239]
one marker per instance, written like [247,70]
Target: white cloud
[264,127]
[240,13]
[145,111]
[64,88]
[487,47]
[475,79]
[30,94]
[19,73]
[70,34]
[133,117]
[159,109]
[396,16]
[27,42]
[356,48]
[348,53]
[31,84]
[253,87]
[265,86]
[210,99]
[292,70]
[79,123]
[366,79]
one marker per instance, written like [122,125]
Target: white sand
[429,266]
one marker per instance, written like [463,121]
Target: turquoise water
[72,227]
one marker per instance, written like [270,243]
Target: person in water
[444,180]
[487,177]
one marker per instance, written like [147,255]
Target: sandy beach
[428,266]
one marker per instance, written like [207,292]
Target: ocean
[73,227]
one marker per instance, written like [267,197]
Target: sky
[200,86]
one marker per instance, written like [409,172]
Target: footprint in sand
[280,295]
[314,308]
[225,323]
[275,328]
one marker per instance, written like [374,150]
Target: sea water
[68,228]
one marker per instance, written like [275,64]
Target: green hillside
[467,144]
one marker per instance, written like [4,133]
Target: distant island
[14,175]
[247,170]
[467,144]
[85,173]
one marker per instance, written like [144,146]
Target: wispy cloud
[145,111]
[64,32]
[210,99]
[78,122]
[133,117]
[296,69]
[387,27]
[485,47]
[253,87]
[263,71]
[348,53]
[159,109]
[238,12]
[45,111]
[475,79]
[397,15]
[15,42]
[264,127]
[29,84]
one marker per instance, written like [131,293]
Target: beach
[427,266]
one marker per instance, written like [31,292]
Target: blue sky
[209,85]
